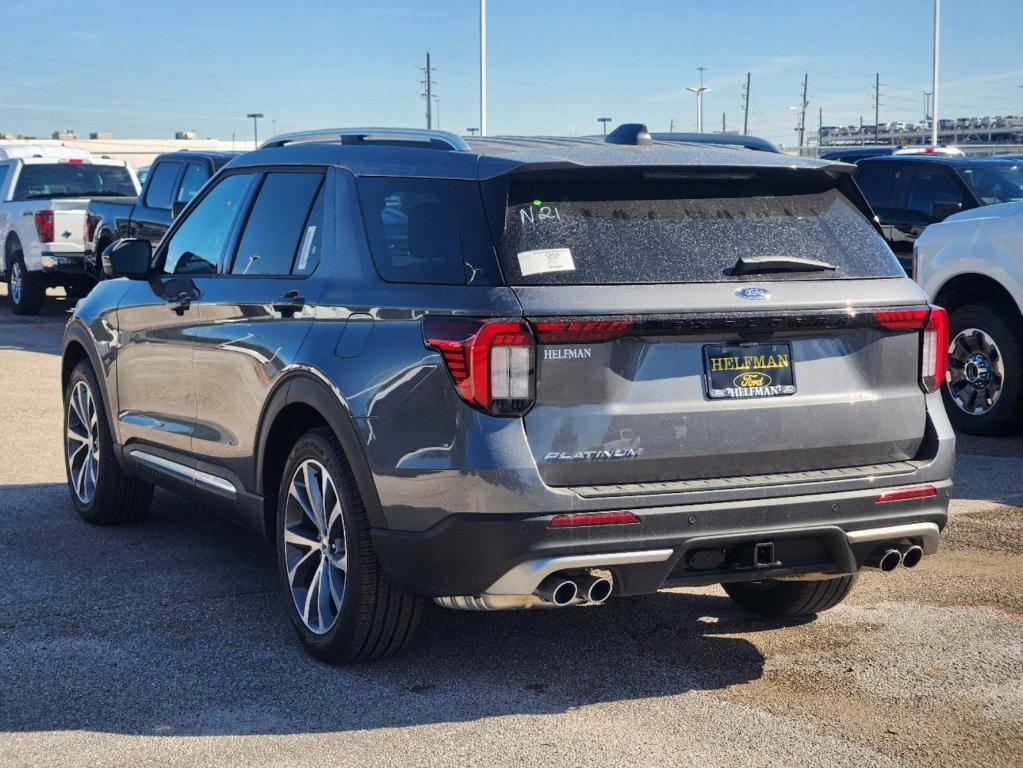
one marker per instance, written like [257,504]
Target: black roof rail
[417,137]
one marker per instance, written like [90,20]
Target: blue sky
[145,69]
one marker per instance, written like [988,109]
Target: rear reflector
[490,361]
[44,226]
[923,492]
[580,331]
[582,519]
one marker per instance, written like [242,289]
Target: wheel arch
[299,403]
[976,288]
[78,346]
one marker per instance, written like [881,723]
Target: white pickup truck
[44,220]
[972,264]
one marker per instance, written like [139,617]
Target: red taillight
[91,220]
[922,492]
[44,226]
[582,519]
[580,331]
[490,361]
[934,350]
[933,321]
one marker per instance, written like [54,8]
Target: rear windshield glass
[618,228]
[427,231]
[36,182]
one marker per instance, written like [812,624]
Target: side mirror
[129,258]
[941,210]
[177,207]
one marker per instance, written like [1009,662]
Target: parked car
[519,372]
[910,192]
[44,194]
[171,182]
[855,154]
[972,264]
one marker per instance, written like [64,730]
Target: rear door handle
[289,304]
[181,304]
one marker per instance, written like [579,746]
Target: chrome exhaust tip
[884,559]
[911,556]
[557,590]
[595,589]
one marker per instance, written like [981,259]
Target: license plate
[748,370]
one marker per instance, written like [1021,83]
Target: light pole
[473,131]
[255,125]
[699,100]
[483,67]
[934,76]
[436,101]
[604,121]
[273,123]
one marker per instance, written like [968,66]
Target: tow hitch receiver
[763,555]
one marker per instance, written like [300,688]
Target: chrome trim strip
[524,578]
[184,472]
[928,533]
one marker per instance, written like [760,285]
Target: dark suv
[518,373]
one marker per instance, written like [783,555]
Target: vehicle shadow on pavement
[175,626]
[23,332]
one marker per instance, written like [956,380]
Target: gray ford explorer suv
[519,372]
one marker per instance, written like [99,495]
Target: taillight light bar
[905,494]
[490,361]
[581,331]
[44,226]
[587,519]
[933,322]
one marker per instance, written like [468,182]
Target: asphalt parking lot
[166,643]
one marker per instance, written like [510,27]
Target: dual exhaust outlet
[888,557]
[560,589]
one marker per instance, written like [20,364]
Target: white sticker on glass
[307,244]
[546,260]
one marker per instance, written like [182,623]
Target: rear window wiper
[746,266]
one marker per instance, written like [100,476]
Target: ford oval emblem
[753,293]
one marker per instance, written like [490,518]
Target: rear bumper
[71,264]
[502,555]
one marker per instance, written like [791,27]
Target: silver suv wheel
[16,281]
[82,441]
[315,547]
[976,372]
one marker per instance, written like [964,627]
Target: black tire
[27,300]
[116,497]
[1006,415]
[789,599]
[374,620]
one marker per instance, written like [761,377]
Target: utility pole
[934,76]
[483,67]
[428,93]
[604,121]
[671,127]
[723,128]
[927,106]
[254,116]
[745,107]
[436,100]
[820,126]
[699,100]
[877,104]
[802,111]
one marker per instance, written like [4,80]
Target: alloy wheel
[315,546]
[16,281]
[975,371]
[82,441]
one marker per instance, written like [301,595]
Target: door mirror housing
[942,210]
[130,257]
[177,208]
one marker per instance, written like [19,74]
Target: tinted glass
[191,182]
[427,231]
[4,170]
[160,190]
[312,239]
[36,182]
[995,184]
[878,182]
[199,243]
[932,185]
[627,227]
[276,224]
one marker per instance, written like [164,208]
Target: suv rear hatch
[708,323]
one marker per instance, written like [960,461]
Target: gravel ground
[166,643]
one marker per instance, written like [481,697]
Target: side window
[194,177]
[312,239]
[277,223]
[163,179]
[878,183]
[4,172]
[197,245]
[932,185]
